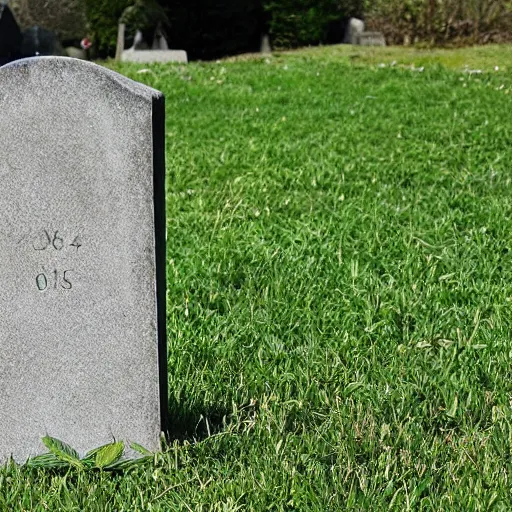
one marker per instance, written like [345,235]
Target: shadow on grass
[194,423]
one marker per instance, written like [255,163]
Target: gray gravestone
[82,246]
[149,56]
[353,28]
[371,39]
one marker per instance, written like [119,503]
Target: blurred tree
[441,21]
[64,17]
[303,22]
[209,29]
[104,16]
[144,15]
[102,21]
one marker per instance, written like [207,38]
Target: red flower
[85,43]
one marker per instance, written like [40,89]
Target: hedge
[441,22]
[308,22]
[208,29]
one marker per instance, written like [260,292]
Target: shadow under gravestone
[195,423]
[82,245]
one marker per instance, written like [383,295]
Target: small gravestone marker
[82,246]
[265,44]
[353,28]
[370,39]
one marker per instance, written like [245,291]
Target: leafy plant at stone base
[107,457]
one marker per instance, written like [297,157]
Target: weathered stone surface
[147,56]
[64,17]
[82,246]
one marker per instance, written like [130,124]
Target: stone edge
[134,87]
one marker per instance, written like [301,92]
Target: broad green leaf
[139,448]
[89,460]
[47,460]
[62,451]
[129,463]
[91,455]
[109,454]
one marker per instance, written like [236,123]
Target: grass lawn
[339,289]
[483,58]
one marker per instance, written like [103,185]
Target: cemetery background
[338,288]
[210,29]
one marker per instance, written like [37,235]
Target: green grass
[484,58]
[339,292]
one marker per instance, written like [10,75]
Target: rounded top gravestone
[82,244]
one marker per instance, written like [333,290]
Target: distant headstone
[150,46]
[82,246]
[265,44]
[121,28]
[10,36]
[353,29]
[148,56]
[371,39]
[76,53]
[159,40]
[38,41]
[142,40]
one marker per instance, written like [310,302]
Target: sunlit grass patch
[339,290]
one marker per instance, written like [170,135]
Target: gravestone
[353,28]
[141,52]
[82,246]
[149,56]
[265,47]
[371,39]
